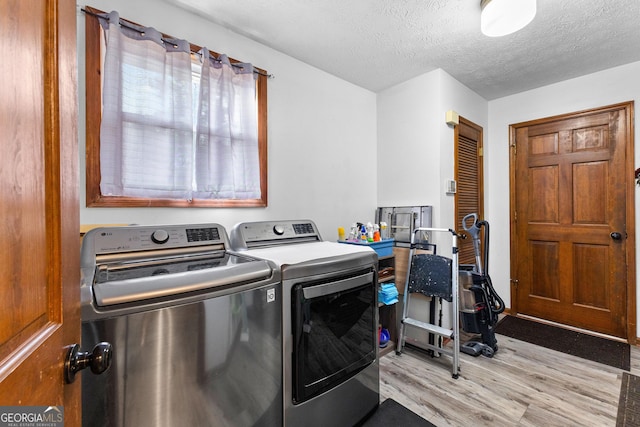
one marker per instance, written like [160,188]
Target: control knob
[159,237]
[278,229]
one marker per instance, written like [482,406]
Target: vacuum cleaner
[480,305]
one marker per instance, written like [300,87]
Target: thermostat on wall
[452,118]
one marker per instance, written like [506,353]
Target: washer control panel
[140,238]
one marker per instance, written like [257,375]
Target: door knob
[99,360]
[616,236]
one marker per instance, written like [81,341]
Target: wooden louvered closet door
[468,174]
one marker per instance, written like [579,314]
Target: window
[182,153]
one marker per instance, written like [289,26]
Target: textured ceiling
[376,44]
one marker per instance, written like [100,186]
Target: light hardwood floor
[522,385]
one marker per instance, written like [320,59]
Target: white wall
[415,145]
[415,152]
[336,151]
[608,87]
[321,133]
[408,143]
[471,106]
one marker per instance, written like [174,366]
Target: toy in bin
[384,337]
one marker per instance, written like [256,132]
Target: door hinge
[480,152]
[515,216]
[514,282]
[515,150]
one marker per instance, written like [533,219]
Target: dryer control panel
[269,233]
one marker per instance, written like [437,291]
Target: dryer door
[334,331]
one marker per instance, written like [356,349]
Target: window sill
[136,202]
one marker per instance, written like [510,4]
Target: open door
[39,247]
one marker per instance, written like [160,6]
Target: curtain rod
[168,39]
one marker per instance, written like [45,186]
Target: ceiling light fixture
[502,17]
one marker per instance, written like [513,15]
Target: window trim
[93,71]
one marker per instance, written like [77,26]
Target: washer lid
[129,284]
[135,264]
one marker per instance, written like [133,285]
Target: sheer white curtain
[148,144]
[146,134]
[227,164]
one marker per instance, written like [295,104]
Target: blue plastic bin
[382,248]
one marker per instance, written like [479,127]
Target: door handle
[616,236]
[99,360]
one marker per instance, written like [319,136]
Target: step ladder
[434,276]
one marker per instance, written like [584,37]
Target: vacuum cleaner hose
[495,302]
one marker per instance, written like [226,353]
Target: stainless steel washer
[330,318]
[195,329]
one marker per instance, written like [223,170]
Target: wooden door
[469,178]
[39,243]
[570,185]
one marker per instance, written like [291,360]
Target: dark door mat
[629,405]
[601,350]
[391,413]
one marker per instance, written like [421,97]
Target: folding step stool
[437,277]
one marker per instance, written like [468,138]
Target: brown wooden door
[39,243]
[469,178]
[570,186]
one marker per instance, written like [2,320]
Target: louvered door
[468,174]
